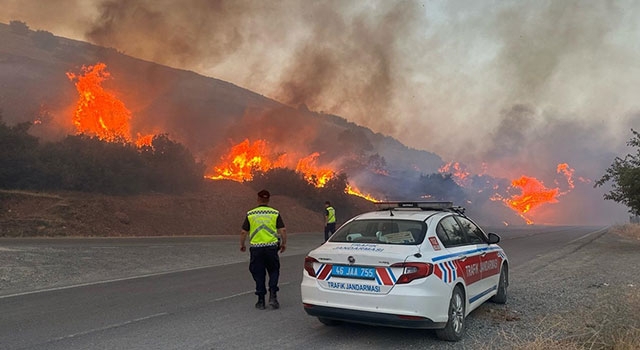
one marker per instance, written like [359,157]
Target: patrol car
[409,264]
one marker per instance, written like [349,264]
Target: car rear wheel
[501,296]
[328,321]
[455,324]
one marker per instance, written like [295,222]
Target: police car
[409,264]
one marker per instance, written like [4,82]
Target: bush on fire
[82,163]
[288,182]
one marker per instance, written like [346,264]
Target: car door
[463,255]
[489,264]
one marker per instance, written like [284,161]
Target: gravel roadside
[580,295]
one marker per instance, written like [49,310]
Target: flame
[312,173]
[99,112]
[144,140]
[459,173]
[356,192]
[244,159]
[240,163]
[533,194]
[568,173]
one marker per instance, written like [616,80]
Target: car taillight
[413,271]
[308,266]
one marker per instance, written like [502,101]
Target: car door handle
[483,254]
[463,258]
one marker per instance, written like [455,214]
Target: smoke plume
[506,88]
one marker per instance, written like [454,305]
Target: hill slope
[218,209]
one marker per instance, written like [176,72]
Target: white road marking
[588,234]
[107,281]
[111,326]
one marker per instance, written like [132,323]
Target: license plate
[367,273]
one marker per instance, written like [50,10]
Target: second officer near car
[267,236]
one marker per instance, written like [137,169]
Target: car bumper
[421,304]
[372,318]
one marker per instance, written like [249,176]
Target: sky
[505,87]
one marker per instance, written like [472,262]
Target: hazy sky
[506,86]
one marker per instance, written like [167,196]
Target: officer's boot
[260,303]
[273,300]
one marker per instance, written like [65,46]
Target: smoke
[506,87]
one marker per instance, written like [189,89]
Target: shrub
[19,27]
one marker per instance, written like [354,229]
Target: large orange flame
[244,159]
[312,173]
[99,112]
[534,194]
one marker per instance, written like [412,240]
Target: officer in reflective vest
[330,220]
[267,236]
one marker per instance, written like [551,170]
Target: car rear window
[402,232]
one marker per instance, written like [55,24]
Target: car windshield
[402,232]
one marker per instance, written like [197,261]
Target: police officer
[330,220]
[267,235]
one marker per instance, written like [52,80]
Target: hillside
[205,114]
[211,118]
[218,209]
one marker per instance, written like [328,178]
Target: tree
[624,174]
[19,27]
[44,40]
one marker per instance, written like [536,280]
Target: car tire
[454,329]
[503,283]
[329,322]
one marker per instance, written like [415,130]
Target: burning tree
[624,174]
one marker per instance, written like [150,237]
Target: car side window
[449,232]
[471,231]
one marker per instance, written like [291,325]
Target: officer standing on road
[330,220]
[267,235]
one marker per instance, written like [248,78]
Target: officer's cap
[264,194]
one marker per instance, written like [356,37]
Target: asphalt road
[213,308]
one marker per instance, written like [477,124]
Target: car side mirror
[493,238]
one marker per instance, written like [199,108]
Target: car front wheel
[503,283]
[455,324]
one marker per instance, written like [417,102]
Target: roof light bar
[415,205]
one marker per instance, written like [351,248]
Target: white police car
[410,264]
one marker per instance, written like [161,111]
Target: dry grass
[613,323]
[609,319]
[627,230]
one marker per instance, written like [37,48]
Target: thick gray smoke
[508,88]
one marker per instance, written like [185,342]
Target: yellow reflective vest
[262,223]
[331,215]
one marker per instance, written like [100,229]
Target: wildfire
[458,172]
[356,192]
[312,173]
[534,193]
[568,173]
[99,112]
[244,159]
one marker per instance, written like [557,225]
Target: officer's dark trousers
[263,260]
[329,229]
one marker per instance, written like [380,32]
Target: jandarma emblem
[351,259]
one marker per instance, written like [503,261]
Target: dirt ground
[218,209]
